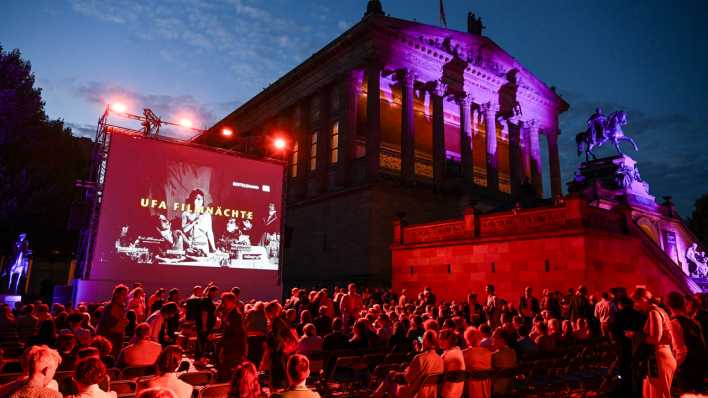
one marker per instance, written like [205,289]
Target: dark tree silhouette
[699,219]
[40,160]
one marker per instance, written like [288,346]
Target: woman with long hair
[244,382]
[137,303]
[196,225]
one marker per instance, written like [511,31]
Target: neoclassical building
[396,119]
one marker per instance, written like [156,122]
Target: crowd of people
[659,343]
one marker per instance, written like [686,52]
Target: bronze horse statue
[600,130]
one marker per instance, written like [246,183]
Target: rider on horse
[597,123]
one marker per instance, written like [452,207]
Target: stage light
[185,123]
[279,143]
[118,107]
[226,132]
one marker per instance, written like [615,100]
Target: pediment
[433,47]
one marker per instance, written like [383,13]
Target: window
[313,151]
[293,161]
[334,148]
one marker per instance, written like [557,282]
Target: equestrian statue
[600,130]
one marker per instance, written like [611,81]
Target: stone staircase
[701,283]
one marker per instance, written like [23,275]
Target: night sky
[199,59]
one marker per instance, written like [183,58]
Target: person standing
[206,320]
[690,347]
[233,347]
[350,306]
[491,308]
[113,320]
[603,313]
[528,305]
[657,358]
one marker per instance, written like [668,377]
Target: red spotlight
[279,144]
[226,132]
[118,107]
[185,123]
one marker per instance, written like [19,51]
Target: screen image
[168,205]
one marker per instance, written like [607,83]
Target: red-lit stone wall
[554,248]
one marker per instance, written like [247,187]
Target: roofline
[356,28]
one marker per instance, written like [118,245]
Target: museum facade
[396,119]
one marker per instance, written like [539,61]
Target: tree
[40,160]
[699,219]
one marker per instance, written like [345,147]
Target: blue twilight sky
[203,58]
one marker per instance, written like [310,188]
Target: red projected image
[170,204]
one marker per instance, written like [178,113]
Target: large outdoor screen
[169,206]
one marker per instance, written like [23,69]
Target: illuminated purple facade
[420,149]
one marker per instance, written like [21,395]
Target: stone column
[525,154]
[373,116]
[466,163]
[323,140]
[534,149]
[437,94]
[407,79]
[303,161]
[554,163]
[490,114]
[347,126]
[515,165]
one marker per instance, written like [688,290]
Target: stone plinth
[614,179]
[554,247]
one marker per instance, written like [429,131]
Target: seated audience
[74,322]
[486,333]
[166,366]
[89,373]
[427,363]
[156,392]
[141,353]
[68,349]
[46,334]
[105,350]
[42,363]
[278,340]
[336,340]
[452,360]
[298,370]
[503,358]
[310,342]
[244,382]
[477,359]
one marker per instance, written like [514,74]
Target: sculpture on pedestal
[600,130]
[19,262]
[697,261]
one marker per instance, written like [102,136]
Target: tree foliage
[40,160]
[699,219]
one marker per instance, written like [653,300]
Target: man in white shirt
[603,312]
[143,352]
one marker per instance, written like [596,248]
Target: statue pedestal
[612,180]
